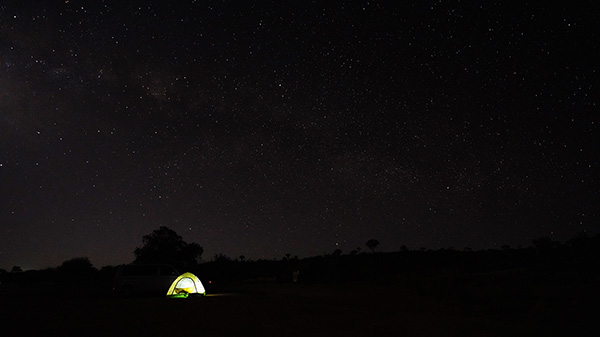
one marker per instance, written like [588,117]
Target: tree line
[165,246]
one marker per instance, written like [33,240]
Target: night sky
[273,127]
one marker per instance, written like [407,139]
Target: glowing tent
[184,285]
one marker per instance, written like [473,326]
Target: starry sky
[265,128]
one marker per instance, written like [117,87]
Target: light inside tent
[184,285]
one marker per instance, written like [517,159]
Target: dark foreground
[351,309]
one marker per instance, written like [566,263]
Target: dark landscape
[549,289]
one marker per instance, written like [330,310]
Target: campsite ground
[398,308]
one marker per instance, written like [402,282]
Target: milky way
[293,127]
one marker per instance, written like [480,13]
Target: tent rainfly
[184,285]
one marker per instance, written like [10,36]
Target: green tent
[184,285]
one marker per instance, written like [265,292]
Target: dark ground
[550,290]
[408,306]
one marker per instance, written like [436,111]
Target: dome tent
[184,285]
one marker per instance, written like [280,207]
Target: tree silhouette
[220,257]
[372,244]
[164,245]
[77,268]
[77,265]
